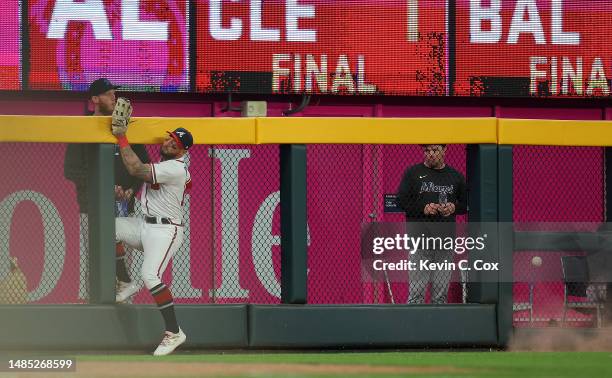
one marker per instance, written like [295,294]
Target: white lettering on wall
[262,248]
[181,261]
[230,241]
[54,238]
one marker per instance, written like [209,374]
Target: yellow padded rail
[84,129]
[554,132]
[376,130]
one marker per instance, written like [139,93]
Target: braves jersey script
[165,195]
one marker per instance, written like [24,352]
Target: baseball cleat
[170,342]
[125,291]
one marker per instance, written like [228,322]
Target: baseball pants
[420,278]
[158,242]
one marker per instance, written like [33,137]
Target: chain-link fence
[351,185]
[560,189]
[231,249]
[43,250]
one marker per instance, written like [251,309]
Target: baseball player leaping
[160,233]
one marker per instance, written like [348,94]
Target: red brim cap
[176,139]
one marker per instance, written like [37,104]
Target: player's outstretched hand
[121,116]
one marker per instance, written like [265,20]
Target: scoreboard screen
[327,47]
[533,48]
[10,46]
[140,45]
[492,48]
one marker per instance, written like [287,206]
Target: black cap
[183,136]
[100,86]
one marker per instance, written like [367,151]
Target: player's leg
[127,230]
[160,242]
[441,277]
[418,278]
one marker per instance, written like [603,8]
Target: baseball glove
[121,116]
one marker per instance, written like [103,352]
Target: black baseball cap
[183,137]
[100,86]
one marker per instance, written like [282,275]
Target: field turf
[360,364]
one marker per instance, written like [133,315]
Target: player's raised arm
[119,125]
[132,162]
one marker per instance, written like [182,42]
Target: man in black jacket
[432,192]
[101,95]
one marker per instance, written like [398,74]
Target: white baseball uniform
[160,233]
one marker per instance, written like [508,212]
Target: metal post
[293,223]
[482,201]
[506,245]
[101,224]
